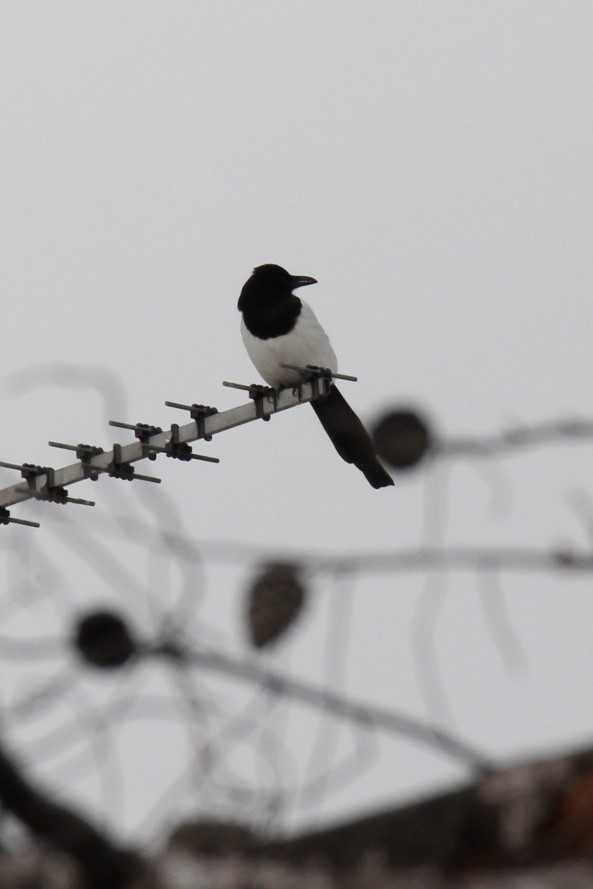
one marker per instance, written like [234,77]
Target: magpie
[279,328]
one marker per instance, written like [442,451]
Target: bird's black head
[269,283]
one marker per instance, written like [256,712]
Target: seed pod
[103,640]
[274,601]
[402,438]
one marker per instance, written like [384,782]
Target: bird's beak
[301,281]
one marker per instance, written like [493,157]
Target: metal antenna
[311,370]
[49,484]
[174,448]
[47,489]
[6,519]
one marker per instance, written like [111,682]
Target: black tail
[349,437]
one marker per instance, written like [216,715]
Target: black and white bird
[279,328]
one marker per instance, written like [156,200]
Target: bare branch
[102,864]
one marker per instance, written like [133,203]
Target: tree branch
[102,864]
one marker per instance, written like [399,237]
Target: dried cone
[275,600]
[402,438]
[103,640]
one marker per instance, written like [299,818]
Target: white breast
[307,343]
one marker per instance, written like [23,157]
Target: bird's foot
[259,394]
[257,390]
[314,375]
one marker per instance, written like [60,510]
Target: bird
[278,329]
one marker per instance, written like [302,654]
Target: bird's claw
[314,375]
[257,390]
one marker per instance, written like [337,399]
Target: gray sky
[431,164]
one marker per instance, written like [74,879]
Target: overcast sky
[431,164]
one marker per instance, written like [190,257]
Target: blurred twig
[548,432]
[365,714]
